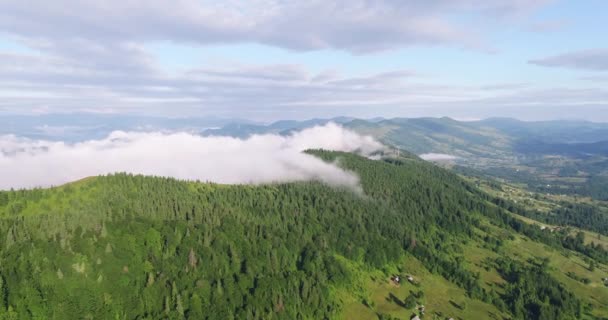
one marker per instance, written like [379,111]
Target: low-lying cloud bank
[437,157]
[26,163]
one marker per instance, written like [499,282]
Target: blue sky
[274,59]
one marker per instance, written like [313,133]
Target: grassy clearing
[590,236]
[543,203]
[442,297]
[475,256]
[524,249]
[441,300]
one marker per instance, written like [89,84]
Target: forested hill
[134,247]
[558,157]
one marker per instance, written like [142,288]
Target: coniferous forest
[135,247]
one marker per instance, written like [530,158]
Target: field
[442,298]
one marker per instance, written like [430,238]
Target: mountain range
[512,225]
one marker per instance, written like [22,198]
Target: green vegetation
[134,247]
[557,157]
[569,214]
[531,293]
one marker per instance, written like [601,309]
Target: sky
[267,60]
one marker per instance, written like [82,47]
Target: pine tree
[10,238]
[3,295]
[150,280]
[196,307]
[167,305]
[104,231]
[192,261]
[179,307]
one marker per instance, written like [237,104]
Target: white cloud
[352,25]
[94,56]
[260,159]
[34,84]
[437,157]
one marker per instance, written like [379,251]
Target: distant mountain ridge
[549,156]
[86,126]
[425,134]
[244,130]
[486,132]
[556,131]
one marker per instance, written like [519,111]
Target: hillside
[439,135]
[134,247]
[559,157]
[557,131]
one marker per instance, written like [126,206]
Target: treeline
[561,239]
[580,215]
[531,293]
[594,186]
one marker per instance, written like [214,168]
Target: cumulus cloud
[28,163]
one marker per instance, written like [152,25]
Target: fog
[437,157]
[26,163]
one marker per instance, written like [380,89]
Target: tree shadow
[396,300]
[456,305]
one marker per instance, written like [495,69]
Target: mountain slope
[437,135]
[131,247]
[244,130]
[560,157]
[557,131]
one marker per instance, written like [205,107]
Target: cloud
[28,163]
[38,84]
[94,56]
[592,59]
[547,25]
[437,157]
[59,85]
[278,72]
[505,86]
[359,26]
[595,78]
[382,80]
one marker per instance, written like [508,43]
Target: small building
[396,279]
[410,278]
